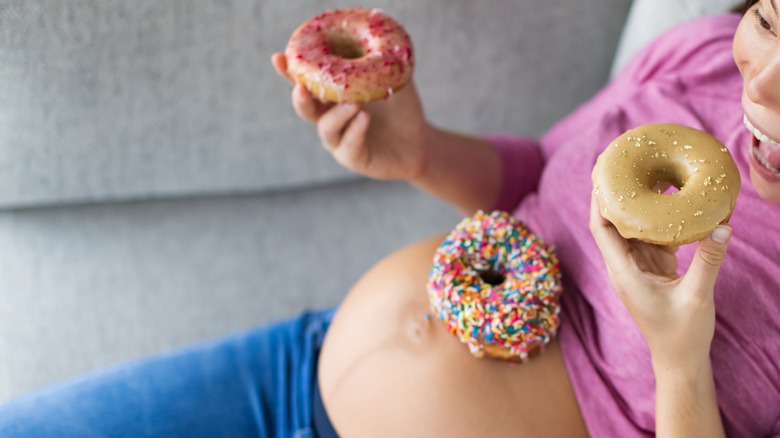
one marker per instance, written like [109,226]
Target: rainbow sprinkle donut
[496,287]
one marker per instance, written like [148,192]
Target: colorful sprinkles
[494,282]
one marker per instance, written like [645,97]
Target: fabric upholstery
[90,286]
[113,100]
[156,188]
[648,19]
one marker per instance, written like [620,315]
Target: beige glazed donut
[629,174]
[350,55]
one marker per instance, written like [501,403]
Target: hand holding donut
[675,314]
[638,228]
[385,138]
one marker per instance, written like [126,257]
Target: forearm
[462,170]
[686,405]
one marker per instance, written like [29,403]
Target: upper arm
[521,167]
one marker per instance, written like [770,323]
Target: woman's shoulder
[691,59]
[697,33]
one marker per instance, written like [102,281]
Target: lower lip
[759,168]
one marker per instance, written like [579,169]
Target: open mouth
[765,153]
[757,133]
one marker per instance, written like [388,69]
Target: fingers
[350,145]
[672,249]
[657,259]
[709,256]
[306,106]
[333,123]
[336,124]
[279,61]
[614,248]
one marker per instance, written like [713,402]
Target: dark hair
[748,4]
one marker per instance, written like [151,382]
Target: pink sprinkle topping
[385,46]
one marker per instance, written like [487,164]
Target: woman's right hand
[382,140]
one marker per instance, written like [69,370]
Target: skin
[757,55]
[386,370]
[391,139]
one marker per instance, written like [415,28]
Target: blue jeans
[253,384]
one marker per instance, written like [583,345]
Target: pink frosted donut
[350,55]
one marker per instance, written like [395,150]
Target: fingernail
[347,107]
[721,234]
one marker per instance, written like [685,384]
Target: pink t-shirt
[688,76]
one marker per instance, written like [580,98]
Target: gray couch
[156,188]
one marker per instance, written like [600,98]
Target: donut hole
[666,182]
[492,277]
[665,188]
[344,46]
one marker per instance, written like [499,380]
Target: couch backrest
[648,19]
[111,99]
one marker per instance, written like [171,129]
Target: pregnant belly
[388,369]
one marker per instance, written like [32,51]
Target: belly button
[418,328]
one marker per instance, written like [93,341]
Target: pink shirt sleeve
[521,168]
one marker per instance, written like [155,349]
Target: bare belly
[388,370]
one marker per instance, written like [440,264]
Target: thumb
[710,253]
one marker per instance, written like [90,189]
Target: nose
[763,85]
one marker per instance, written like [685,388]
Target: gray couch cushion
[648,19]
[114,100]
[110,99]
[86,287]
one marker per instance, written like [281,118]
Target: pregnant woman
[652,358]
[654,341]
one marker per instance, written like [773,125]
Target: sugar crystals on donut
[628,173]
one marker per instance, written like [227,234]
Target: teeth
[764,162]
[759,135]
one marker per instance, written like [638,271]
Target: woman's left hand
[676,314]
